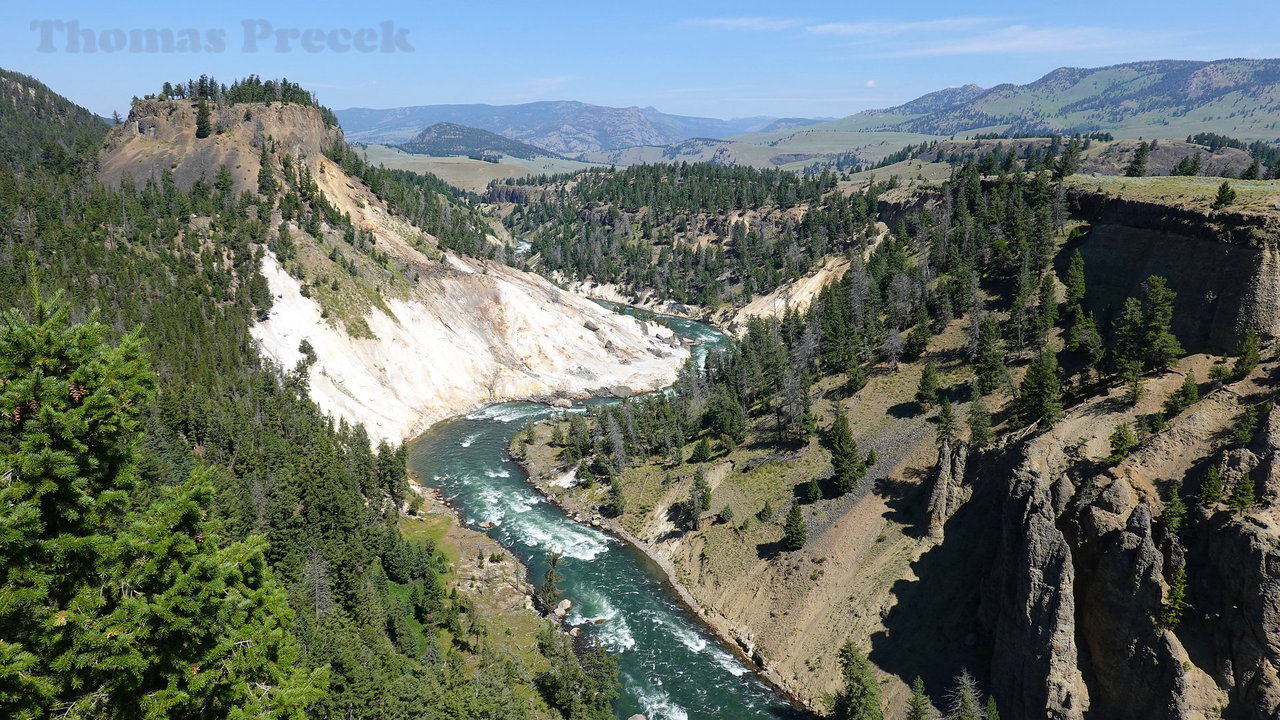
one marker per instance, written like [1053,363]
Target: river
[672,667]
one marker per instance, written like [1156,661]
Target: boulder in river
[563,607]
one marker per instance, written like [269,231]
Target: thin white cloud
[871,83]
[1023,39]
[941,36]
[890,28]
[753,24]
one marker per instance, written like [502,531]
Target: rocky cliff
[1225,266]
[1073,600]
[394,332]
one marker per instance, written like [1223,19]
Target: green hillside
[38,126]
[1164,98]
[446,139]
[187,534]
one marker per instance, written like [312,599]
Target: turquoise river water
[671,665]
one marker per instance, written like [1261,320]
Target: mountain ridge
[1186,96]
[562,126]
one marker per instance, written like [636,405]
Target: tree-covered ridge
[696,233]
[251,89]
[983,253]
[445,138]
[424,200]
[116,604]
[699,187]
[38,127]
[275,480]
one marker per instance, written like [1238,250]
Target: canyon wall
[411,333]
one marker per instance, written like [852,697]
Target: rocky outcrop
[1136,666]
[1233,569]
[1029,609]
[1074,593]
[1234,577]
[1266,472]
[1224,266]
[159,136]
[949,490]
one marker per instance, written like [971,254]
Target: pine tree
[812,491]
[1123,442]
[992,711]
[927,391]
[1175,602]
[1248,355]
[946,422]
[1159,345]
[701,491]
[1040,394]
[208,623]
[794,530]
[1253,172]
[1068,162]
[617,500]
[1083,338]
[989,365]
[1175,512]
[266,175]
[1047,314]
[203,125]
[1226,196]
[1138,166]
[918,705]
[1188,166]
[1184,397]
[855,377]
[1210,488]
[859,699]
[979,421]
[1242,493]
[965,699]
[918,339]
[1131,376]
[1075,280]
[848,469]
[548,591]
[701,451]
[1129,328]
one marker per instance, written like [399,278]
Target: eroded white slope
[468,335]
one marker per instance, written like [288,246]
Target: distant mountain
[940,100]
[1162,98]
[781,124]
[563,126]
[38,125]
[445,138]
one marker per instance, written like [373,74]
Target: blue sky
[719,59]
